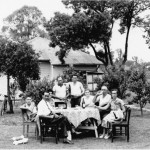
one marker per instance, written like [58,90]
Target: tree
[19,61]
[139,85]
[25,23]
[116,77]
[92,23]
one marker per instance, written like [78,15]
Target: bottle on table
[83,104]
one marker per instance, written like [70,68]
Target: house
[50,65]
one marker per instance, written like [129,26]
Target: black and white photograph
[75,74]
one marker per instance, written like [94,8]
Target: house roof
[41,46]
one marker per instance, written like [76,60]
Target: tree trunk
[109,53]
[8,94]
[126,46]
[141,108]
[97,56]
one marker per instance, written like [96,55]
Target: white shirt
[103,100]
[76,88]
[60,91]
[88,101]
[44,108]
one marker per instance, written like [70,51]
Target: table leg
[95,128]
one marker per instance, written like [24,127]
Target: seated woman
[116,114]
[87,99]
[103,98]
[31,109]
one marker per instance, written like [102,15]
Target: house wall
[85,67]
[45,70]
[58,70]
[52,71]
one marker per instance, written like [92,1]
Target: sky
[137,46]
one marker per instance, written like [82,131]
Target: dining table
[78,114]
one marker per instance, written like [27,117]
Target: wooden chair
[117,128]
[45,125]
[27,123]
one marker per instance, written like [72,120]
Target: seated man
[45,108]
[31,109]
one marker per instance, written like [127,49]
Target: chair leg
[56,132]
[41,136]
[27,130]
[23,129]
[36,132]
[127,134]
[112,134]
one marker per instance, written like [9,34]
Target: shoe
[68,142]
[106,136]
[77,133]
[17,138]
[101,136]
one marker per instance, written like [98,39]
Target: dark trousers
[63,122]
[75,101]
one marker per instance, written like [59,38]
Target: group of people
[111,108]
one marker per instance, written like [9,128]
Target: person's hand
[100,92]
[56,116]
[64,99]
[95,106]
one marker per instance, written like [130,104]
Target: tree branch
[96,54]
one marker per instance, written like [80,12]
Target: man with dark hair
[60,92]
[45,108]
[76,91]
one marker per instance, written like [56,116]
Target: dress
[116,113]
[104,100]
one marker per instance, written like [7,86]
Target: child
[31,109]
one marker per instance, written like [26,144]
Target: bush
[36,89]
[139,85]
[115,77]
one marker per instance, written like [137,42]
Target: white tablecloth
[77,115]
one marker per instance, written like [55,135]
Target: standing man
[76,91]
[60,92]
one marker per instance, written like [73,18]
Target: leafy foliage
[70,71]
[140,86]
[19,61]
[116,78]
[92,23]
[24,24]
[36,89]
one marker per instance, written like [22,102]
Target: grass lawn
[11,125]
